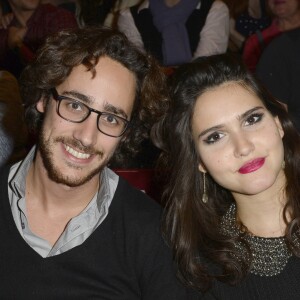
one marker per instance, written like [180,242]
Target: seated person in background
[106,14]
[13,133]
[112,18]
[29,24]
[286,16]
[92,12]
[70,227]
[176,31]
[279,70]
[246,17]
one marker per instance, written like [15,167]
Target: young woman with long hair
[233,193]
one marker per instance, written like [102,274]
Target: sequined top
[283,286]
[274,274]
[269,255]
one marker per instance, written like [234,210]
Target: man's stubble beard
[53,171]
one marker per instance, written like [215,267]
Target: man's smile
[76,154]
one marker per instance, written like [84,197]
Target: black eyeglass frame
[59,98]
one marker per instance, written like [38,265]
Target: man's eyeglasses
[75,111]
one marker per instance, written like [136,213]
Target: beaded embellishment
[269,255]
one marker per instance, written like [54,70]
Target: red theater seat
[142,179]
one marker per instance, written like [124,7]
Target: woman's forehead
[224,103]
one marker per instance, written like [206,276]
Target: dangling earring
[204,196]
[283,165]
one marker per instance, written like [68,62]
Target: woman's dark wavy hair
[70,48]
[191,226]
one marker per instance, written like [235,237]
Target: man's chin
[73,181]
[65,171]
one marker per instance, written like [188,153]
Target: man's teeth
[76,153]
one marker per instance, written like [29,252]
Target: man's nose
[87,132]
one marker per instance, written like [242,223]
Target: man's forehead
[113,85]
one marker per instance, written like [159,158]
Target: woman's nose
[243,145]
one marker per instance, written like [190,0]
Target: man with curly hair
[70,227]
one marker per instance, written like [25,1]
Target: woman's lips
[252,165]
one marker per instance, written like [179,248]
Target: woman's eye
[253,119]
[214,137]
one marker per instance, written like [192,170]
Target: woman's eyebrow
[249,112]
[214,128]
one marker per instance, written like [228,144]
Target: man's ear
[41,105]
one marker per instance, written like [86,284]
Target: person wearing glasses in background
[70,227]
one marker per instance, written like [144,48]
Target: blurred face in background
[24,5]
[284,8]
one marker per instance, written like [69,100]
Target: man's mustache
[77,145]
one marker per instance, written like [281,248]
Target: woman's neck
[262,219]
[262,214]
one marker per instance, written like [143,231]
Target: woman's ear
[279,126]
[201,168]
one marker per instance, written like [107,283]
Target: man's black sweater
[124,258]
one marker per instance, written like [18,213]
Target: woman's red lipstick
[252,165]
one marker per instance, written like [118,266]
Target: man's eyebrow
[89,100]
[74,94]
[241,117]
[115,110]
